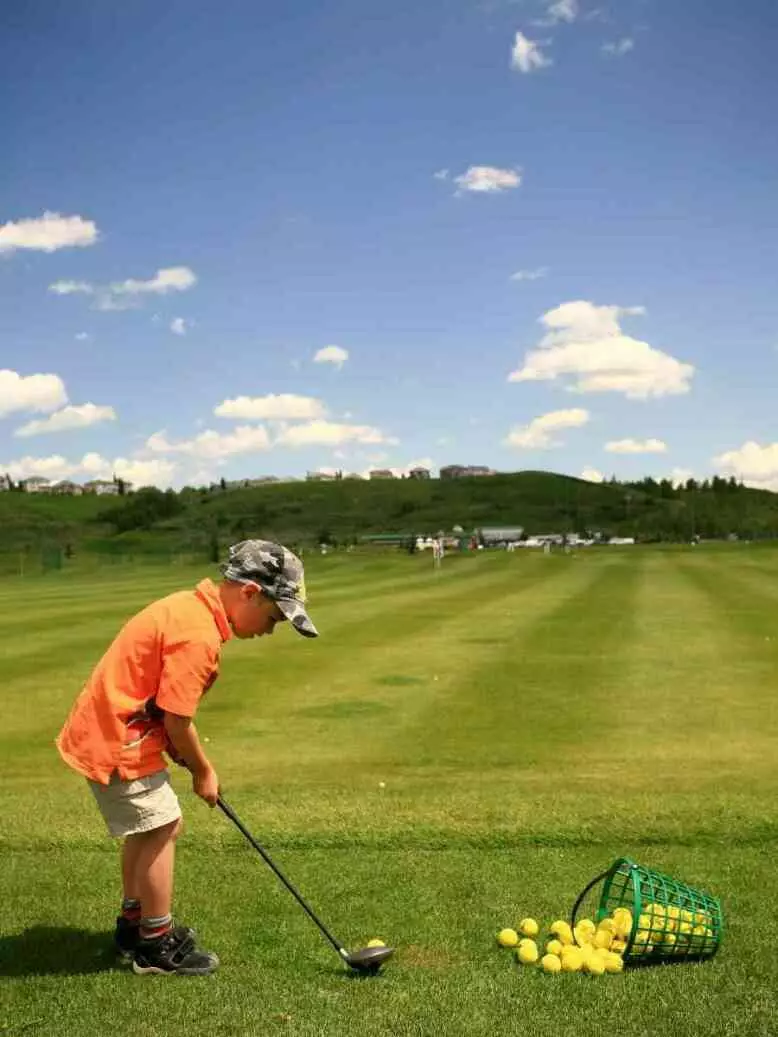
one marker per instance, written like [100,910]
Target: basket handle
[579,901]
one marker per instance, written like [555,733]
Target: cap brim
[297,615]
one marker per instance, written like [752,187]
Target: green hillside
[344,511]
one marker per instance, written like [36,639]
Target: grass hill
[195,520]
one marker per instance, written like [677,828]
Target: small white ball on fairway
[382,784]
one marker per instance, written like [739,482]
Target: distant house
[459,471]
[36,484]
[328,476]
[102,487]
[381,473]
[67,488]
[501,534]
[419,473]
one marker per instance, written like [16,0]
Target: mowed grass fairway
[533,718]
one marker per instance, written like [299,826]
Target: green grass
[533,718]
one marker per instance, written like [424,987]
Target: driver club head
[369,959]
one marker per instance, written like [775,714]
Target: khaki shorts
[132,807]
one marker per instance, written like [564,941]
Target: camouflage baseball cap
[278,572]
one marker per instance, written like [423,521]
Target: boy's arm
[183,737]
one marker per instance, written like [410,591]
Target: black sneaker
[127,937]
[172,955]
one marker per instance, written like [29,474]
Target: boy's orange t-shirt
[164,658]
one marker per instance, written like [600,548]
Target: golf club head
[369,959]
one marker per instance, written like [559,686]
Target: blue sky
[252,238]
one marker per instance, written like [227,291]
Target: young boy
[139,702]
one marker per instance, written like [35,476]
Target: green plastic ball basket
[670,921]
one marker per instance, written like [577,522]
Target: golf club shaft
[242,828]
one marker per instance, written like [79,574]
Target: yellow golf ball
[375,943]
[563,932]
[551,963]
[529,927]
[571,959]
[527,952]
[614,962]
[554,947]
[507,938]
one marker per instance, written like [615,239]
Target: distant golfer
[139,703]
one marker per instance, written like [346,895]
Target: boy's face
[252,613]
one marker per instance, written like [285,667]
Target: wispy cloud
[526,55]
[179,326]
[636,446]
[559,11]
[82,416]
[530,275]
[281,407]
[487,180]
[335,355]
[618,48]
[538,435]
[124,295]
[47,233]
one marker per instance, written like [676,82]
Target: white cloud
[563,11]
[753,464]
[526,55]
[171,279]
[530,275]
[92,466]
[34,392]
[281,407]
[635,446]
[585,343]
[123,295]
[81,336]
[592,475]
[487,180]
[179,326]
[442,174]
[71,288]
[679,476]
[335,355]
[210,445]
[47,233]
[538,434]
[618,48]
[329,433]
[157,472]
[68,418]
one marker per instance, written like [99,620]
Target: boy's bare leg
[148,861]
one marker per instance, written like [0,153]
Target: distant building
[36,484]
[381,473]
[66,488]
[5,483]
[419,473]
[500,534]
[103,487]
[458,471]
[323,476]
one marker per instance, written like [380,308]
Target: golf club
[366,960]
